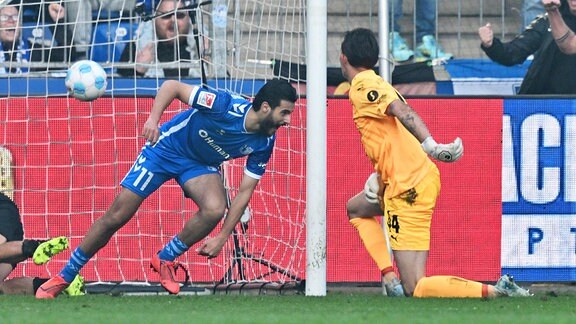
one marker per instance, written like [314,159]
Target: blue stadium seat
[110,39]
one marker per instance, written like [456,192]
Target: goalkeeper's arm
[409,118]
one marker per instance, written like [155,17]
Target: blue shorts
[151,169]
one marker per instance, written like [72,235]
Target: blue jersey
[212,131]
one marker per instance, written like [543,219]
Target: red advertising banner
[69,157]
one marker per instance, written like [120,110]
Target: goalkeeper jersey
[395,153]
[212,131]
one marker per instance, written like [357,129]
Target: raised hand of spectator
[56,11]
[145,56]
[551,4]
[487,34]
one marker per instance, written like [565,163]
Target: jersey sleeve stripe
[193,95]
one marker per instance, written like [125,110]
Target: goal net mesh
[62,159]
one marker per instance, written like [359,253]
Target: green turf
[334,308]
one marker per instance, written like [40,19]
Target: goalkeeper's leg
[361,214]
[21,286]
[29,286]
[41,251]
[456,287]
[410,216]
[45,250]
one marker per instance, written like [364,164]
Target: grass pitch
[336,307]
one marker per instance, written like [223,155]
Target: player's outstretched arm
[211,247]
[409,118]
[170,90]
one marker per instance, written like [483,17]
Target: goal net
[63,159]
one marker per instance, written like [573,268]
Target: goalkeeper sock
[29,246]
[37,282]
[450,287]
[374,241]
[173,249]
[77,260]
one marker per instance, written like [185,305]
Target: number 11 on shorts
[145,176]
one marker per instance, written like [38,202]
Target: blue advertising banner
[539,189]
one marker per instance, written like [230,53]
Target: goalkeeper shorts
[10,224]
[408,216]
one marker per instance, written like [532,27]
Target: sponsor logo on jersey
[210,141]
[206,99]
[245,150]
[372,95]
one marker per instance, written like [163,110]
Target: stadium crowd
[156,39]
[157,43]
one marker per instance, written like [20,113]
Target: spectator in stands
[168,38]
[530,10]
[50,13]
[15,249]
[16,52]
[562,29]
[13,49]
[53,10]
[551,71]
[427,47]
[79,14]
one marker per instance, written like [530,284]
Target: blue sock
[173,249]
[77,260]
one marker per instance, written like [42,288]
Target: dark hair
[361,48]
[159,2]
[273,92]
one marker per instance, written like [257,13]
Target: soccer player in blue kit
[189,148]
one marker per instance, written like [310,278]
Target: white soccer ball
[86,80]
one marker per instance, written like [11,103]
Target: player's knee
[352,209]
[112,221]
[409,286]
[213,212]
[408,291]
[119,213]
[105,224]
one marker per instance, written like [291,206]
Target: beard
[269,127]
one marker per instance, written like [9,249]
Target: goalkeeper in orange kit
[406,182]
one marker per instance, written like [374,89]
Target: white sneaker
[507,287]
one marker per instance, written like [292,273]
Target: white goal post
[316,149]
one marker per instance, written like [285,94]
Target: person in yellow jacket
[406,182]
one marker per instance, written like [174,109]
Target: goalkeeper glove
[443,152]
[371,189]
